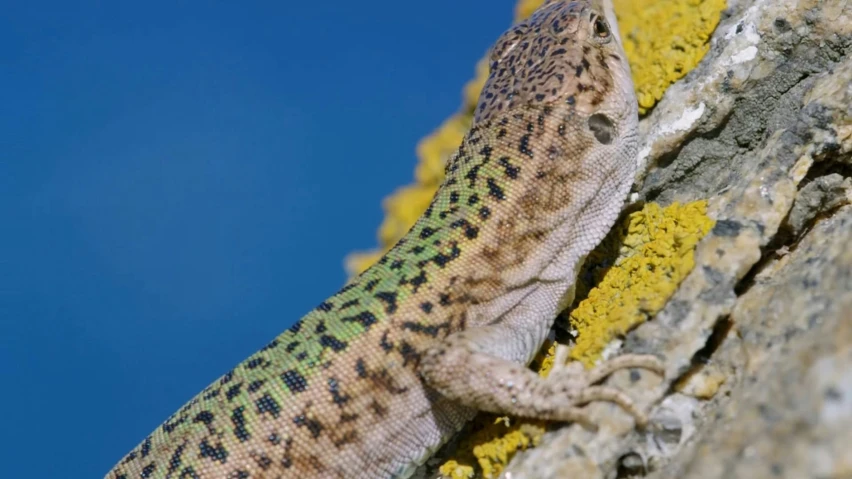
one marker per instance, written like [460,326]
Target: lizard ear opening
[602,128]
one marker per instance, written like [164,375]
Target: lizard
[377,377]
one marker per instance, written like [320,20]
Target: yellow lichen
[491,444]
[454,470]
[664,40]
[525,8]
[544,360]
[655,253]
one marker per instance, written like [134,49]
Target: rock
[820,196]
[758,337]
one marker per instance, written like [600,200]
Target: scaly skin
[378,376]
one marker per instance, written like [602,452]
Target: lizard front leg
[473,368]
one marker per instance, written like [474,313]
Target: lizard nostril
[602,128]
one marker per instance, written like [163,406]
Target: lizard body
[377,377]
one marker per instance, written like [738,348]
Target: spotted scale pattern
[346,391]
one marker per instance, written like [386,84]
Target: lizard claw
[580,384]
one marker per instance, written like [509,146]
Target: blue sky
[180,182]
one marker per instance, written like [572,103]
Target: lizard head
[567,55]
[558,117]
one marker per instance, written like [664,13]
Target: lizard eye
[601,29]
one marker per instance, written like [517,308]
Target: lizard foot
[467,367]
[572,379]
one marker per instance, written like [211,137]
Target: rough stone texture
[821,195]
[785,409]
[758,338]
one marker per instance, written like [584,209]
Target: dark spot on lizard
[175,461]
[524,145]
[267,404]
[419,280]
[409,354]
[239,420]
[313,425]
[233,391]
[148,470]
[371,285]
[510,169]
[217,453]
[472,176]
[272,345]
[213,393]
[364,318]
[204,417]
[347,417]
[347,438]
[263,461]
[386,345]
[389,298]
[426,232]
[441,259]
[430,330]
[329,341]
[254,363]
[170,426]
[350,303]
[294,381]
[334,388]
[361,368]
[495,191]
[379,410]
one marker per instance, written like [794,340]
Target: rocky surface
[758,338]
